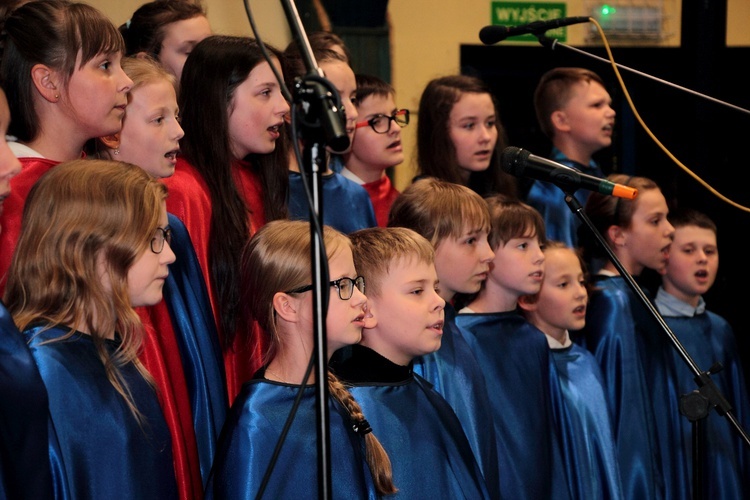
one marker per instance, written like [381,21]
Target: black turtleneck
[366,366]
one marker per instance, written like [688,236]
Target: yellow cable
[650,134]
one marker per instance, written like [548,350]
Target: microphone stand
[323,125]
[695,405]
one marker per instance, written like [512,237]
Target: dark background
[710,138]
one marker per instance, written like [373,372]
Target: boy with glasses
[377,143]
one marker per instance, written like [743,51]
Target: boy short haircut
[554,91]
[682,217]
[438,209]
[368,85]
[376,249]
[510,218]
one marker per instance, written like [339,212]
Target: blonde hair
[277,258]
[438,209]
[142,70]
[376,249]
[145,69]
[76,214]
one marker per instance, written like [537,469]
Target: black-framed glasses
[381,124]
[160,236]
[345,287]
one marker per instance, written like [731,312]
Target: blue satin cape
[561,224]
[618,333]
[24,455]
[708,338]
[455,374]
[249,438]
[97,447]
[429,451]
[346,204]
[586,426]
[192,318]
[515,359]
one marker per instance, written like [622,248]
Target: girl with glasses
[91,251]
[277,292]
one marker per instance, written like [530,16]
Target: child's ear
[285,306]
[527,302]
[560,120]
[616,235]
[111,141]
[46,81]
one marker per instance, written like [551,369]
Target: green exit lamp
[607,11]
[628,21]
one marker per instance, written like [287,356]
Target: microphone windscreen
[490,35]
[513,159]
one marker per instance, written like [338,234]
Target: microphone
[521,163]
[490,35]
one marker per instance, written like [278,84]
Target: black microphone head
[513,160]
[490,35]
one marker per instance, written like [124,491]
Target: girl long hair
[78,215]
[277,259]
[216,67]
[436,154]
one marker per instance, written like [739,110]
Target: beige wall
[426,37]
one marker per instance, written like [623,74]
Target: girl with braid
[276,290]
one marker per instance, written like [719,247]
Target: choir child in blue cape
[574,111]
[708,338]
[346,205]
[589,447]
[521,378]
[94,245]
[24,462]
[455,220]
[429,451]
[277,289]
[627,341]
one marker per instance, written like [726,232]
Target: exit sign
[518,13]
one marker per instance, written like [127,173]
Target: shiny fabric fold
[614,334]
[250,435]
[515,359]
[346,204]
[456,375]
[560,222]
[588,444]
[97,447]
[429,451]
[186,298]
[24,457]
[708,338]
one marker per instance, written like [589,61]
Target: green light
[606,10]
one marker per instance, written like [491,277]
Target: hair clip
[127,23]
[362,427]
